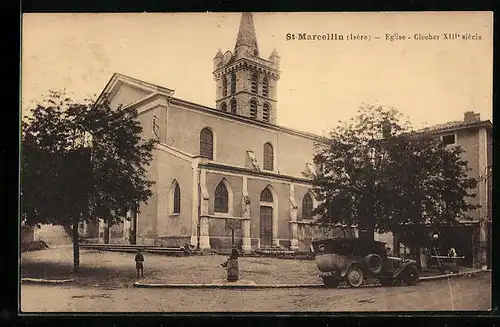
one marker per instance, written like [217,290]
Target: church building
[231,165]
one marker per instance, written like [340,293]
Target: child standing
[452,253]
[139,260]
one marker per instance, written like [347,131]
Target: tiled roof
[454,125]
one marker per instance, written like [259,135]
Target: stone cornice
[175,152]
[258,96]
[247,171]
[246,62]
[224,217]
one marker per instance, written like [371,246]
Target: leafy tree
[351,183]
[429,187]
[81,162]
[376,172]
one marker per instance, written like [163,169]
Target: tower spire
[246,35]
[246,83]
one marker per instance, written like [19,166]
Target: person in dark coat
[234,255]
[139,263]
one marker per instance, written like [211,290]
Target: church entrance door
[266,226]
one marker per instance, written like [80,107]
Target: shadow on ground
[86,276]
[114,269]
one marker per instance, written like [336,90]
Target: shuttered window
[221,198]
[307,206]
[268,157]
[266,112]
[207,144]
[253,109]
[177,198]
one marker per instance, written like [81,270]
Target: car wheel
[331,282]
[387,282]
[374,263]
[411,276]
[355,276]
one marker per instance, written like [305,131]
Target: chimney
[470,116]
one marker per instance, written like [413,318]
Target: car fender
[349,265]
[403,268]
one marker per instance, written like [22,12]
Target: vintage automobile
[354,259]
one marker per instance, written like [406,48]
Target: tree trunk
[396,251]
[76,247]
[370,232]
[134,227]
[106,232]
[418,249]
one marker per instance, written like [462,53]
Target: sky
[322,82]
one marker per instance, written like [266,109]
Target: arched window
[307,206]
[233,106]
[266,195]
[223,107]
[224,86]
[221,198]
[268,157]
[265,87]
[255,81]
[176,198]
[253,109]
[266,111]
[207,143]
[233,83]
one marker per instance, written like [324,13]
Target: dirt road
[468,293]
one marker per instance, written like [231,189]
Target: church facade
[222,166]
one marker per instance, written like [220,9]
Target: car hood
[401,260]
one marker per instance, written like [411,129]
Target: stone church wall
[233,139]
[171,224]
[126,95]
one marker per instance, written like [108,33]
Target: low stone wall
[224,242]
[33,246]
[285,244]
[53,235]
[27,234]
[172,241]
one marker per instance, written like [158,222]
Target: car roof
[353,241]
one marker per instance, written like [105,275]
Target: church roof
[121,78]
[246,33]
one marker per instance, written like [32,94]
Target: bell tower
[245,82]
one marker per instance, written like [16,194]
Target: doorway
[266,226]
